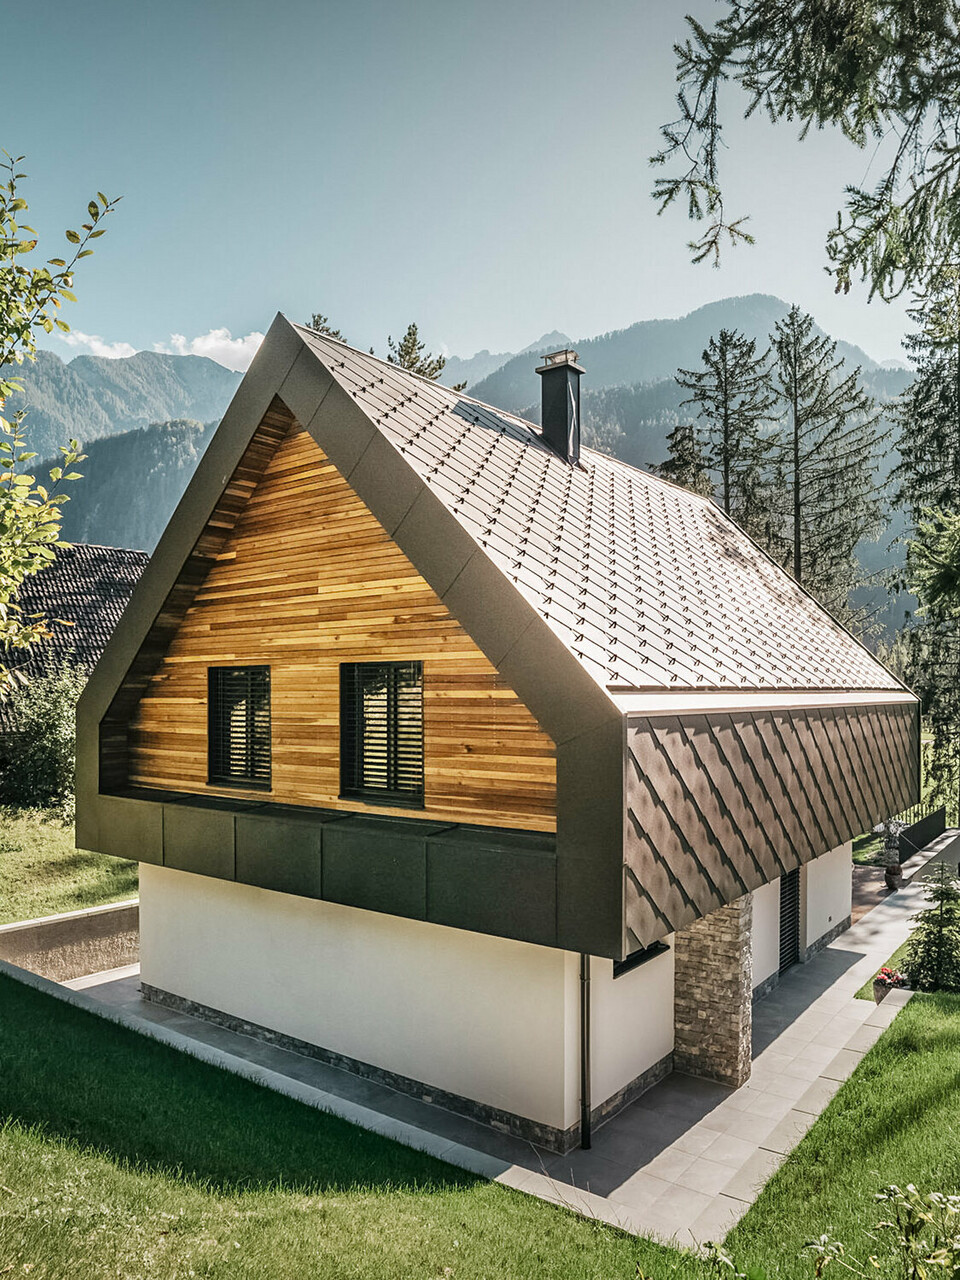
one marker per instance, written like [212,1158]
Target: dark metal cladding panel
[199,840]
[130,828]
[494,883]
[281,853]
[718,804]
[379,864]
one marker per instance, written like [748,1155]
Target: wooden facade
[306,579]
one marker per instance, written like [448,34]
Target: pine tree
[827,449]
[733,399]
[933,956]
[321,324]
[928,477]
[686,462]
[408,354]
[929,414]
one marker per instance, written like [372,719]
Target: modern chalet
[471,759]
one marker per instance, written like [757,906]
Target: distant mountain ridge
[146,420]
[471,369]
[92,397]
[649,351]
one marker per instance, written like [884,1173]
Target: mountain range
[91,396]
[145,419]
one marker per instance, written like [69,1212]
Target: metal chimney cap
[559,360]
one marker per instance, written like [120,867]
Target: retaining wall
[76,943]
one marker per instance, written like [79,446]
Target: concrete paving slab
[843,1065]
[788,1132]
[818,1095]
[753,1174]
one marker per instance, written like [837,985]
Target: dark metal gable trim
[578,715]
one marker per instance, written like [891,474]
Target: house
[83,593]
[471,760]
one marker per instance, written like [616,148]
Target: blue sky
[479,167]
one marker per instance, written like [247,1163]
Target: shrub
[41,765]
[933,956]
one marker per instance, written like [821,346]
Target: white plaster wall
[828,895]
[478,1016]
[631,1020]
[765,938]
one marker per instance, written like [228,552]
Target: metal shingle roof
[650,586]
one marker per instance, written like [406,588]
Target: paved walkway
[685,1160]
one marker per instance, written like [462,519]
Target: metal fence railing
[924,823]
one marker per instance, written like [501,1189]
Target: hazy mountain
[91,397]
[132,482]
[472,369]
[133,479]
[649,350]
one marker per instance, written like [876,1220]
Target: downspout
[585,1097]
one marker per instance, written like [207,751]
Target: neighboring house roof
[647,584]
[82,594]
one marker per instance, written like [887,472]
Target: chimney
[560,403]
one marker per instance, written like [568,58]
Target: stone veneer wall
[713,1000]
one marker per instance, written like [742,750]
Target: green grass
[121,1157]
[897,1119]
[895,962]
[41,873]
[868,850]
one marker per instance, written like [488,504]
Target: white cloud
[96,345]
[218,344]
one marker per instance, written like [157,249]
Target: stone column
[713,999]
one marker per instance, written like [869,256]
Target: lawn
[41,873]
[121,1157]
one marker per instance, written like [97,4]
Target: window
[381,731]
[238,737]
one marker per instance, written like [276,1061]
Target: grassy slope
[120,1157]
[896,1120]
[41,873]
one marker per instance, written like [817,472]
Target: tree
[927,483]
[928,475]
[42,720]
[933,574]
[321,324]
[408,354]
[883,72]
[686,463]
[827,449]
[30,298]
[933,954]
[733,400]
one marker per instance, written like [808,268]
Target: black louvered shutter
[789,919]
[381,731]
[239,726]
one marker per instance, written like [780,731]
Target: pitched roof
[648,585]
[87,587]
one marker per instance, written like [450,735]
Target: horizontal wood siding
[309,579]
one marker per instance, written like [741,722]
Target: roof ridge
[104,546]
[536,428]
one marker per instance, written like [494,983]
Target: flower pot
[893,875]
[880,990]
